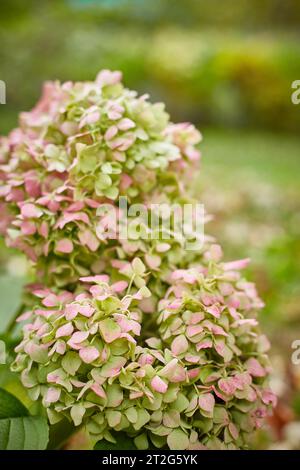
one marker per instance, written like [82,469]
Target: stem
[130,284]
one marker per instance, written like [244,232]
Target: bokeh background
[226,66]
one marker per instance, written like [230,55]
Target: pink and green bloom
[136,335]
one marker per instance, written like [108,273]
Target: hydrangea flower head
[136,335]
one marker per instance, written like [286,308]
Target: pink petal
[174,305]
[86,310]
[82,296]
[107,77]
[192,153]
[159,385]
[255,368]
[60,347]
[241,380]
[93,117]
[153,261]
[50,301]
[99,293]
[225,288]
[135,395]
[121,143]
[89,354]
[234,313]
[65,330]
[207,299]
[146,359]
[53,377]
[218,330]
[190,278]
[111,132]
[214,310]
[125,182]
[207,402]
[173,371]
[219,394]
[196,318]
[77,383]
[162,247]
[97,278]
[268,397]
[30,211]
[41,292]
[76,206]
[45,313]
[193,373]
[179,345]
[215,252]
[127,325]
[126,124]
[43,229]
[192,358]
[227,386]
[52,395]
[32,187]
[98,390]
[119,286]
[178,274]
[72,217]
[28,228]
[24,316]
[78,337]
[239,264]
[194,330]
[89,239]
[204,345]
[65,296]
[71,311]
[64,246]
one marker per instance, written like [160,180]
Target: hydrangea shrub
[136,335]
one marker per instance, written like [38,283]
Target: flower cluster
[83,145]
[138,334]
[208,322]
[199,384]
[76,346]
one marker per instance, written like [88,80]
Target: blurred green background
[226,66]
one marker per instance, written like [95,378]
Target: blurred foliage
[222,63]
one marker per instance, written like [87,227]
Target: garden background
[227,67]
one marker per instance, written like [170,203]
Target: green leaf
[123,442]
[25,433]
[10,406]
[10,382]
[18,430]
